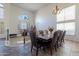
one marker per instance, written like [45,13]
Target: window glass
[60,16]
[1,12]
[22,17]
[70,28]
[69,13]
[1,5]
[22,25]
[60,26]
[64,20]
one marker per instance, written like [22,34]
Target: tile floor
[15,47]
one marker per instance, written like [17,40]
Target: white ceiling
[34,7]
[31,6]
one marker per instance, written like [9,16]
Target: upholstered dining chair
[34,42]
[55,40]
[64,33]
[60,38]
[59,43]
[47,44]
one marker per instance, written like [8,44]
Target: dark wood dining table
[45,38]
[42,39]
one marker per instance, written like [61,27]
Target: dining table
[46,42]
[45,37]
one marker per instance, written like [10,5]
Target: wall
[6,19]
[11,18]
[15,12]
[44,18]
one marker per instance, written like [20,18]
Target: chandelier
[56,10]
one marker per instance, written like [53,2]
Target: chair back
[55,37]
[64,32]
[33,38]
[60,35]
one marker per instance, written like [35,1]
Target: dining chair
[47,44]
[60,38]
[59,43]
[64,33]
[34,42]
[55,40]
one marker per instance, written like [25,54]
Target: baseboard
[2,38]
[72,40]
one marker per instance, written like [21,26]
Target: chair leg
[37,52]
[31,47]
[61,43]
[50,48]
[24,40]
[44,49]
[63,40]
[55,47]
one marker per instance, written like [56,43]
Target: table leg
[24,40]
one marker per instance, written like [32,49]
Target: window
[1,18]
[1,27]
[1,5]
[60,16]
[69,27]
[66,20]
[1,12]
[60,26]
[22,25]
[23,17]
[23,21]
[69,13]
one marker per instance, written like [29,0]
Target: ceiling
[31,6]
